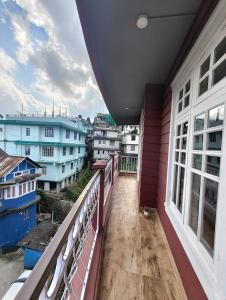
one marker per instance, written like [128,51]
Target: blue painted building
[55,142]
[17,198]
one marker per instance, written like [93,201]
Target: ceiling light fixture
[142,19]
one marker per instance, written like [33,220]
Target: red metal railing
[66,268]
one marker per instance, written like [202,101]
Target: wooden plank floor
[137,263]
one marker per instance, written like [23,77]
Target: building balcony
[106,248]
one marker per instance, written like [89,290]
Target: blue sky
[44,59]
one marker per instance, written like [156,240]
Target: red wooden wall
[150,152]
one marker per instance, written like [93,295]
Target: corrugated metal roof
[9,162]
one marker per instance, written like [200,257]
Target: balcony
[106,249]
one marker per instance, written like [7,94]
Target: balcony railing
[128,163]
[66,267]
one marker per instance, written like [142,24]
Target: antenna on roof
[53,109]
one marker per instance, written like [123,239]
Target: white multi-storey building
[56,143]
[130,139]
[106,140]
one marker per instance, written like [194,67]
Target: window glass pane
[180,106]
[187,87]
[209,214]
[183,157]
[178,130]
[199,122]
[175,184]
[216,116]
[205,67]
[181,189]
[186,101]
[177,156]
[214,140]
[184,143]
[177,143]
[198,142]
[213,165]
[220,50]
[203,86]
[185,128]
[219,72]
[181,94]
[194,203]
[197,161]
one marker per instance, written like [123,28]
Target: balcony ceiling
[125,58]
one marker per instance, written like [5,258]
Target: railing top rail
[36,281]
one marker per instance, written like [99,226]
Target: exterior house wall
[150,136]
[105,141]
[191,275]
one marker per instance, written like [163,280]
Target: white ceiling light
[142,21]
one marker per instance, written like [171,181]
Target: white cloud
[22,36]
[61,65]
[8,64]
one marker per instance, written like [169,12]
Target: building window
[75,135]
[13,191]
[24,188]
[133,137]
[48,151]
[79,137]
[99,142]
[44,170]
[28,131]
[213,68]
[20,190]
[78,149]
[72,166]
[29,186]
[104,142]
[132,147]
[104,133]
[63,168]
[98,151]
[112,143]
[8,192]
[64,151]
[184,96]
[33,185]
[206,158]
[71,150]
[180,156]
[49,132]
[67,134]
[27,150]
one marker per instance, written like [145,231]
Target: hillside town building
[56,143]
[18,176]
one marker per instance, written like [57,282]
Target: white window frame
[210,271]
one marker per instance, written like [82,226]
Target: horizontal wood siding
[151,125]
